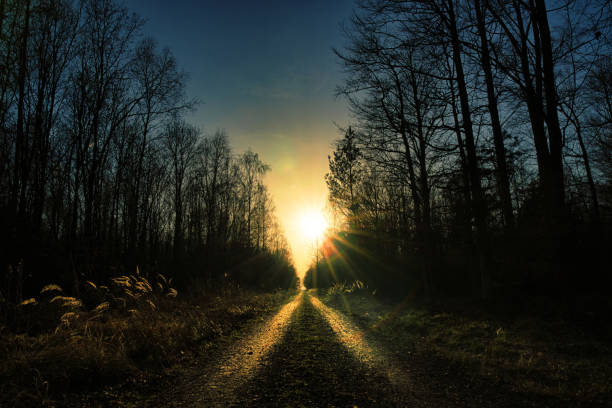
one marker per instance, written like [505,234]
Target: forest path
[306,355]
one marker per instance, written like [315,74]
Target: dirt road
[306,355]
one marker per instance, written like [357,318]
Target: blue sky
[265,72]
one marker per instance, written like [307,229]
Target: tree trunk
[478,204]
[503,184]
[21,144]
[557,188]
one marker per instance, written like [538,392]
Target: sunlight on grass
[536,357]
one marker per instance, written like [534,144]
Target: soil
[297,358]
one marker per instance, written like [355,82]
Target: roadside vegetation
[480,355]
[117,341]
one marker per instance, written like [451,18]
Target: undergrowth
[57,345]
[550,360]
[341,288]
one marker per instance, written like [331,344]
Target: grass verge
[62,351]
[480,358]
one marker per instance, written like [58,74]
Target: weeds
[59,345]
[340,288]
[534,357]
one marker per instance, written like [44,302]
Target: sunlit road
[307,355]
[217,385]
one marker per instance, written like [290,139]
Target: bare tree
[180,140]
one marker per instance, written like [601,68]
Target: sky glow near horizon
[264,72]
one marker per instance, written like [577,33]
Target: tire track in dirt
[313,367]
[307,355]
[216,385]
[366,351]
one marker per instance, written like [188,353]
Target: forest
[462,259]
[101,174]
[478,162]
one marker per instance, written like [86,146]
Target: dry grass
[58,345]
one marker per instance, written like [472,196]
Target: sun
[312,225]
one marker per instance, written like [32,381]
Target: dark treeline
[479,160]
[99,173]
